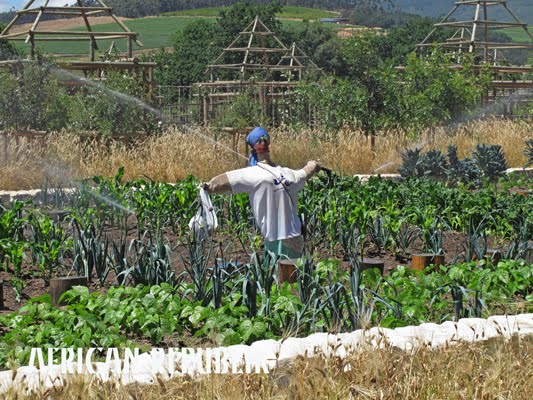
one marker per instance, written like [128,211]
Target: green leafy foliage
[487,163]
[35,99]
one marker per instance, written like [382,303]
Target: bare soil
[66,23]
[232,250]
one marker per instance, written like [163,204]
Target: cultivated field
[154,32]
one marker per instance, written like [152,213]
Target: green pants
[286,248]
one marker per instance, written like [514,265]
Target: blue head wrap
[252,138]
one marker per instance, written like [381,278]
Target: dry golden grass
[496,369]
[174,155]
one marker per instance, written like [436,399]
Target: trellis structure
[258,51]
[512,86]
[91,69]
[472,36]
[35,34]
[256,63]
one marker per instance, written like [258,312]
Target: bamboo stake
[443,20]
[474,29]
[247,52]
[36,22]
[94,45]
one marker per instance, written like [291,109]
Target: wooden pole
[151,82]
[486,32]
[421,261]
[474,29]
[14,20]
[119,22]
[6,145]
[1,294]
[369,263]
[93,45]
[287,271]
[59,286]
[130,47]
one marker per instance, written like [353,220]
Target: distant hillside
[436,8]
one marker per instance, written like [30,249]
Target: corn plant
[48,245]
[13,257]
[521,242]
[106,198]
[432,227]
[406,236]
[237,221]
[12,221]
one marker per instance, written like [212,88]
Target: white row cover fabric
[271,354]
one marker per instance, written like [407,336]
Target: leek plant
[151,263]
[91,250]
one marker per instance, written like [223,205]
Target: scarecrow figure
[273,192]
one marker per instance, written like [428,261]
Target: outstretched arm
[311,168]
[219,184]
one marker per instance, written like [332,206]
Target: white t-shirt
[273,194]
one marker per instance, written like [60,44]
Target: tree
[319,42]
[241,14]
[7,51]
[197,45]
[194,48]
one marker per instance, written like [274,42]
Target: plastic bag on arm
[205,221]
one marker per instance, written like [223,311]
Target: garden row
[186,288]
[246,306]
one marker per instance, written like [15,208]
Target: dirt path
[62,24]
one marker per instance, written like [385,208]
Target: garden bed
[136,233]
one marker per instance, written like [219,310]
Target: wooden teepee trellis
[472,36]
[295,57]
[258,56]
[34,34]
